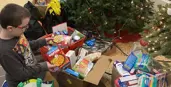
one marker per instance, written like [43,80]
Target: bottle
[119,67]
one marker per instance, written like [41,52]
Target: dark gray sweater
[18,60]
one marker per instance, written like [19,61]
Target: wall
[4,2]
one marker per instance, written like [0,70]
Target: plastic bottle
[119,67]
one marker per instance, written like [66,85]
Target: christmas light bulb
[160,14]
[155,51]
[132,2]
[158,29]
[149,41]
[143,18]
[80,16]
[141,8]
[153,48]
[120,37]
[160,35]
[156,41]
[165,37]
[153,27]
[90,12]
[164,26]
[147,36]
[161,22]
[162,17]
[115,32]
[106,22]
[149,49]
[163,9]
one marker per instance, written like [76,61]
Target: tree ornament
[143,43]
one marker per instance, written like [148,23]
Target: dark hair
[12,15]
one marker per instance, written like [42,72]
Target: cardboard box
[93,77]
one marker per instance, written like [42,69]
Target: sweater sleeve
[16,68]
[36,44]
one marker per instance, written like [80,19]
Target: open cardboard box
[93,77]
[115,74]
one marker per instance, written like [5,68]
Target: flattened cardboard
[98,70]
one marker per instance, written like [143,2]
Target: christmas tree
[105,15]
[158,33]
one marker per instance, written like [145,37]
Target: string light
[165,37]
[120,37]
[161,22]
[160,14]
[158,29]
[156,41]
[147,36]
[142,17]
[162,17]
[149,41]
[149,49]
[132,2]
[164,26]
[106,22]
[153,48]
[141,8]
[155,51]
[163,9]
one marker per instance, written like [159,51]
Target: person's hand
[51,67]
[48,40]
